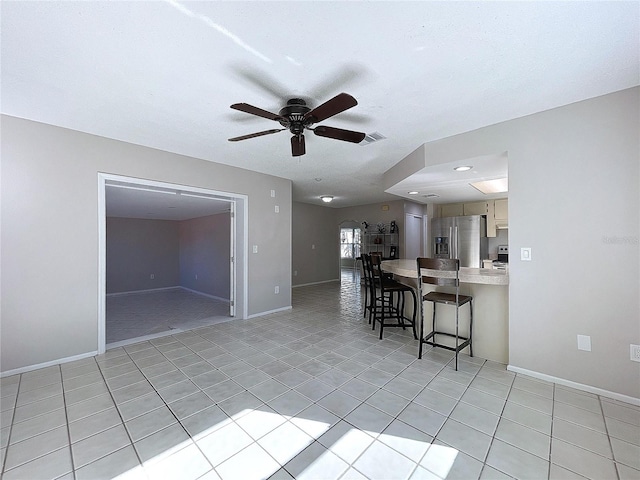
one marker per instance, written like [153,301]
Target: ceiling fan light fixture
[463,168]
[326,198]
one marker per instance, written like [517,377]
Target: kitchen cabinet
[452,210]
[476,208]
[497,212]
[501,209]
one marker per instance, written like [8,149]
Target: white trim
[261,314]
[102,263]
[149,290]
[47,364]
[577,386]
[315,283]
[225,300]
[241,255]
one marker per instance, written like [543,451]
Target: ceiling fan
[296,116]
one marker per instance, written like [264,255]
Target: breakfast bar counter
[490,291]
[481,276]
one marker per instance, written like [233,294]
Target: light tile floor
[141,314]
[308,393]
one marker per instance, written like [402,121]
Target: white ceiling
[163,74]
[139,201]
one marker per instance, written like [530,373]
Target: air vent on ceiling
[431,195]
[372,137]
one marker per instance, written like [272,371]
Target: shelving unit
[387,243]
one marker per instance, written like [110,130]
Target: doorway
[415,235]
[157,203]
[350,238]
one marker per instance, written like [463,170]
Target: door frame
[238,260]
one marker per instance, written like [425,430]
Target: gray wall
[49,258]
[204,252]
[574,198]
[320,226]
[137,248]
[314,225]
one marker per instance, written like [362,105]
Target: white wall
[574,198]
[49,233]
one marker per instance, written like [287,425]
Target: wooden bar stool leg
[415,307]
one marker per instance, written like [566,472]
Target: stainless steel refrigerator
[461,237]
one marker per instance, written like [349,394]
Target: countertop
[483,276]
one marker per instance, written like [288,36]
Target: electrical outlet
[295,273]
[525,254]
[152,276]
[273,193]
[277,208]
[277,289]
[255,249]
[635,353]
[196,276]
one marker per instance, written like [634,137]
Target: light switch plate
[525,254]
[584,343]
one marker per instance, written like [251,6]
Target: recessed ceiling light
[499,185]
[413,192]
[318,179]
[326,198]
[463,168]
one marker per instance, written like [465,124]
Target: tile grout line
[13,416]
[606,430]
[66,416]
[493,437]
[119,415]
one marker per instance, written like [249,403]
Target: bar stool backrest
[439,264]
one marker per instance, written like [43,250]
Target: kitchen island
[490,291]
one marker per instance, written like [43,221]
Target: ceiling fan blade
[332,107]
[245,107]
[297,145]
[258,134]
[339,134]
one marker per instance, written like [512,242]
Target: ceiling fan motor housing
[293,116]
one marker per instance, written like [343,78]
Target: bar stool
[451,279]
[383,306]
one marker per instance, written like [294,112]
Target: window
[349,242]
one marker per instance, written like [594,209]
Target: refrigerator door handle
[451,244]
[456,240]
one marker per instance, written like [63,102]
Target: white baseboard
[226,300]
[29,368]
[269,312]
[315,283]
[133,292]
[577,386]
